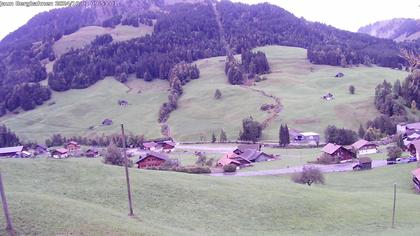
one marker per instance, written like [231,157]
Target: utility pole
[9,226]
[127,177]
[393,209]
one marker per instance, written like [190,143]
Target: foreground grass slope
[85,197]
[76,110]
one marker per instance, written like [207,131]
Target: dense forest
[150,57]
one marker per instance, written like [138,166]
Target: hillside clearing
[82,196]
[87,34]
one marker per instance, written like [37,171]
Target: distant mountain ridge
[398,29]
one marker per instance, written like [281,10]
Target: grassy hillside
[300,86]
[298,83]
[199,114]
[85,35]
[85,197]
[76,110]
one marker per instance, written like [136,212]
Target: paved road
[324,168]
[207,148]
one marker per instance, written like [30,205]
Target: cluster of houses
[356,150]
[155,154]
[411,138]
[71,148]
[244,155]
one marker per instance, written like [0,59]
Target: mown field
[86,197]
[87,34]
[298,83]
[76,110]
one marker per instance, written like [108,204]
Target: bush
[193,169]
[309,175]
[229,168]
[394,152]
[327,159]
[266,107]
[113,156]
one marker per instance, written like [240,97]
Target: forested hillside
[398,29]
[182,32]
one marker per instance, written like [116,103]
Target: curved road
[324,168]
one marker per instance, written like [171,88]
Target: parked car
[391,162]
[403,160]
[412,159]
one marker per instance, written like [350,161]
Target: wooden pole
[393,209]
[9,226]
[127,177]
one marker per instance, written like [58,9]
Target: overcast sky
[343,14]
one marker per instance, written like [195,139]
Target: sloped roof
[415,126]
[158,155]
[149,144]
[226,161]
[244,147]
[361,143]
[416,173]
[73,142]
[11,149]
[173,144]
[330,148]
[61,150]
[309,134]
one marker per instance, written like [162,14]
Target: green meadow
[86,197]
[298,83]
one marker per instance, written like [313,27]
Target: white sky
[343,14]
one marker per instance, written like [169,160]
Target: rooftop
[11,149]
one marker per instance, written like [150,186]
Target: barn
[60,153]
[243,147]
[255,156]
[151,159]
[342,153]
[11,151]
[233,158]
[363,147]
[365,163]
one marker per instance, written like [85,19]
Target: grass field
[76,110]
[87,34]
[86,197]
[298,83]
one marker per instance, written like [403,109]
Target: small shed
[91,152]
[328,96]
[339,75]
[365,163]
[107,122]
[414,149]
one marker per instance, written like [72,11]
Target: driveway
[324,168]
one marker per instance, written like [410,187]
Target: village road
[324,168]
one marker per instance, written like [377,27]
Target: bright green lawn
[86,197]
[75,111]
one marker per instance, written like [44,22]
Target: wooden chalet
[72,146]
[11,151]
[416,179]
[40,149]
[233,158]
[342,153]
[363,147]
[414,149]
[60,153]
[167,145]
[243,147]
[365,163]
[151,159]
[150,146]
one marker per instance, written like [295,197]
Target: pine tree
[217,94]
[352,89]
[281,135]
[286,135]
[213,138]
[361,131]
[223,137]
